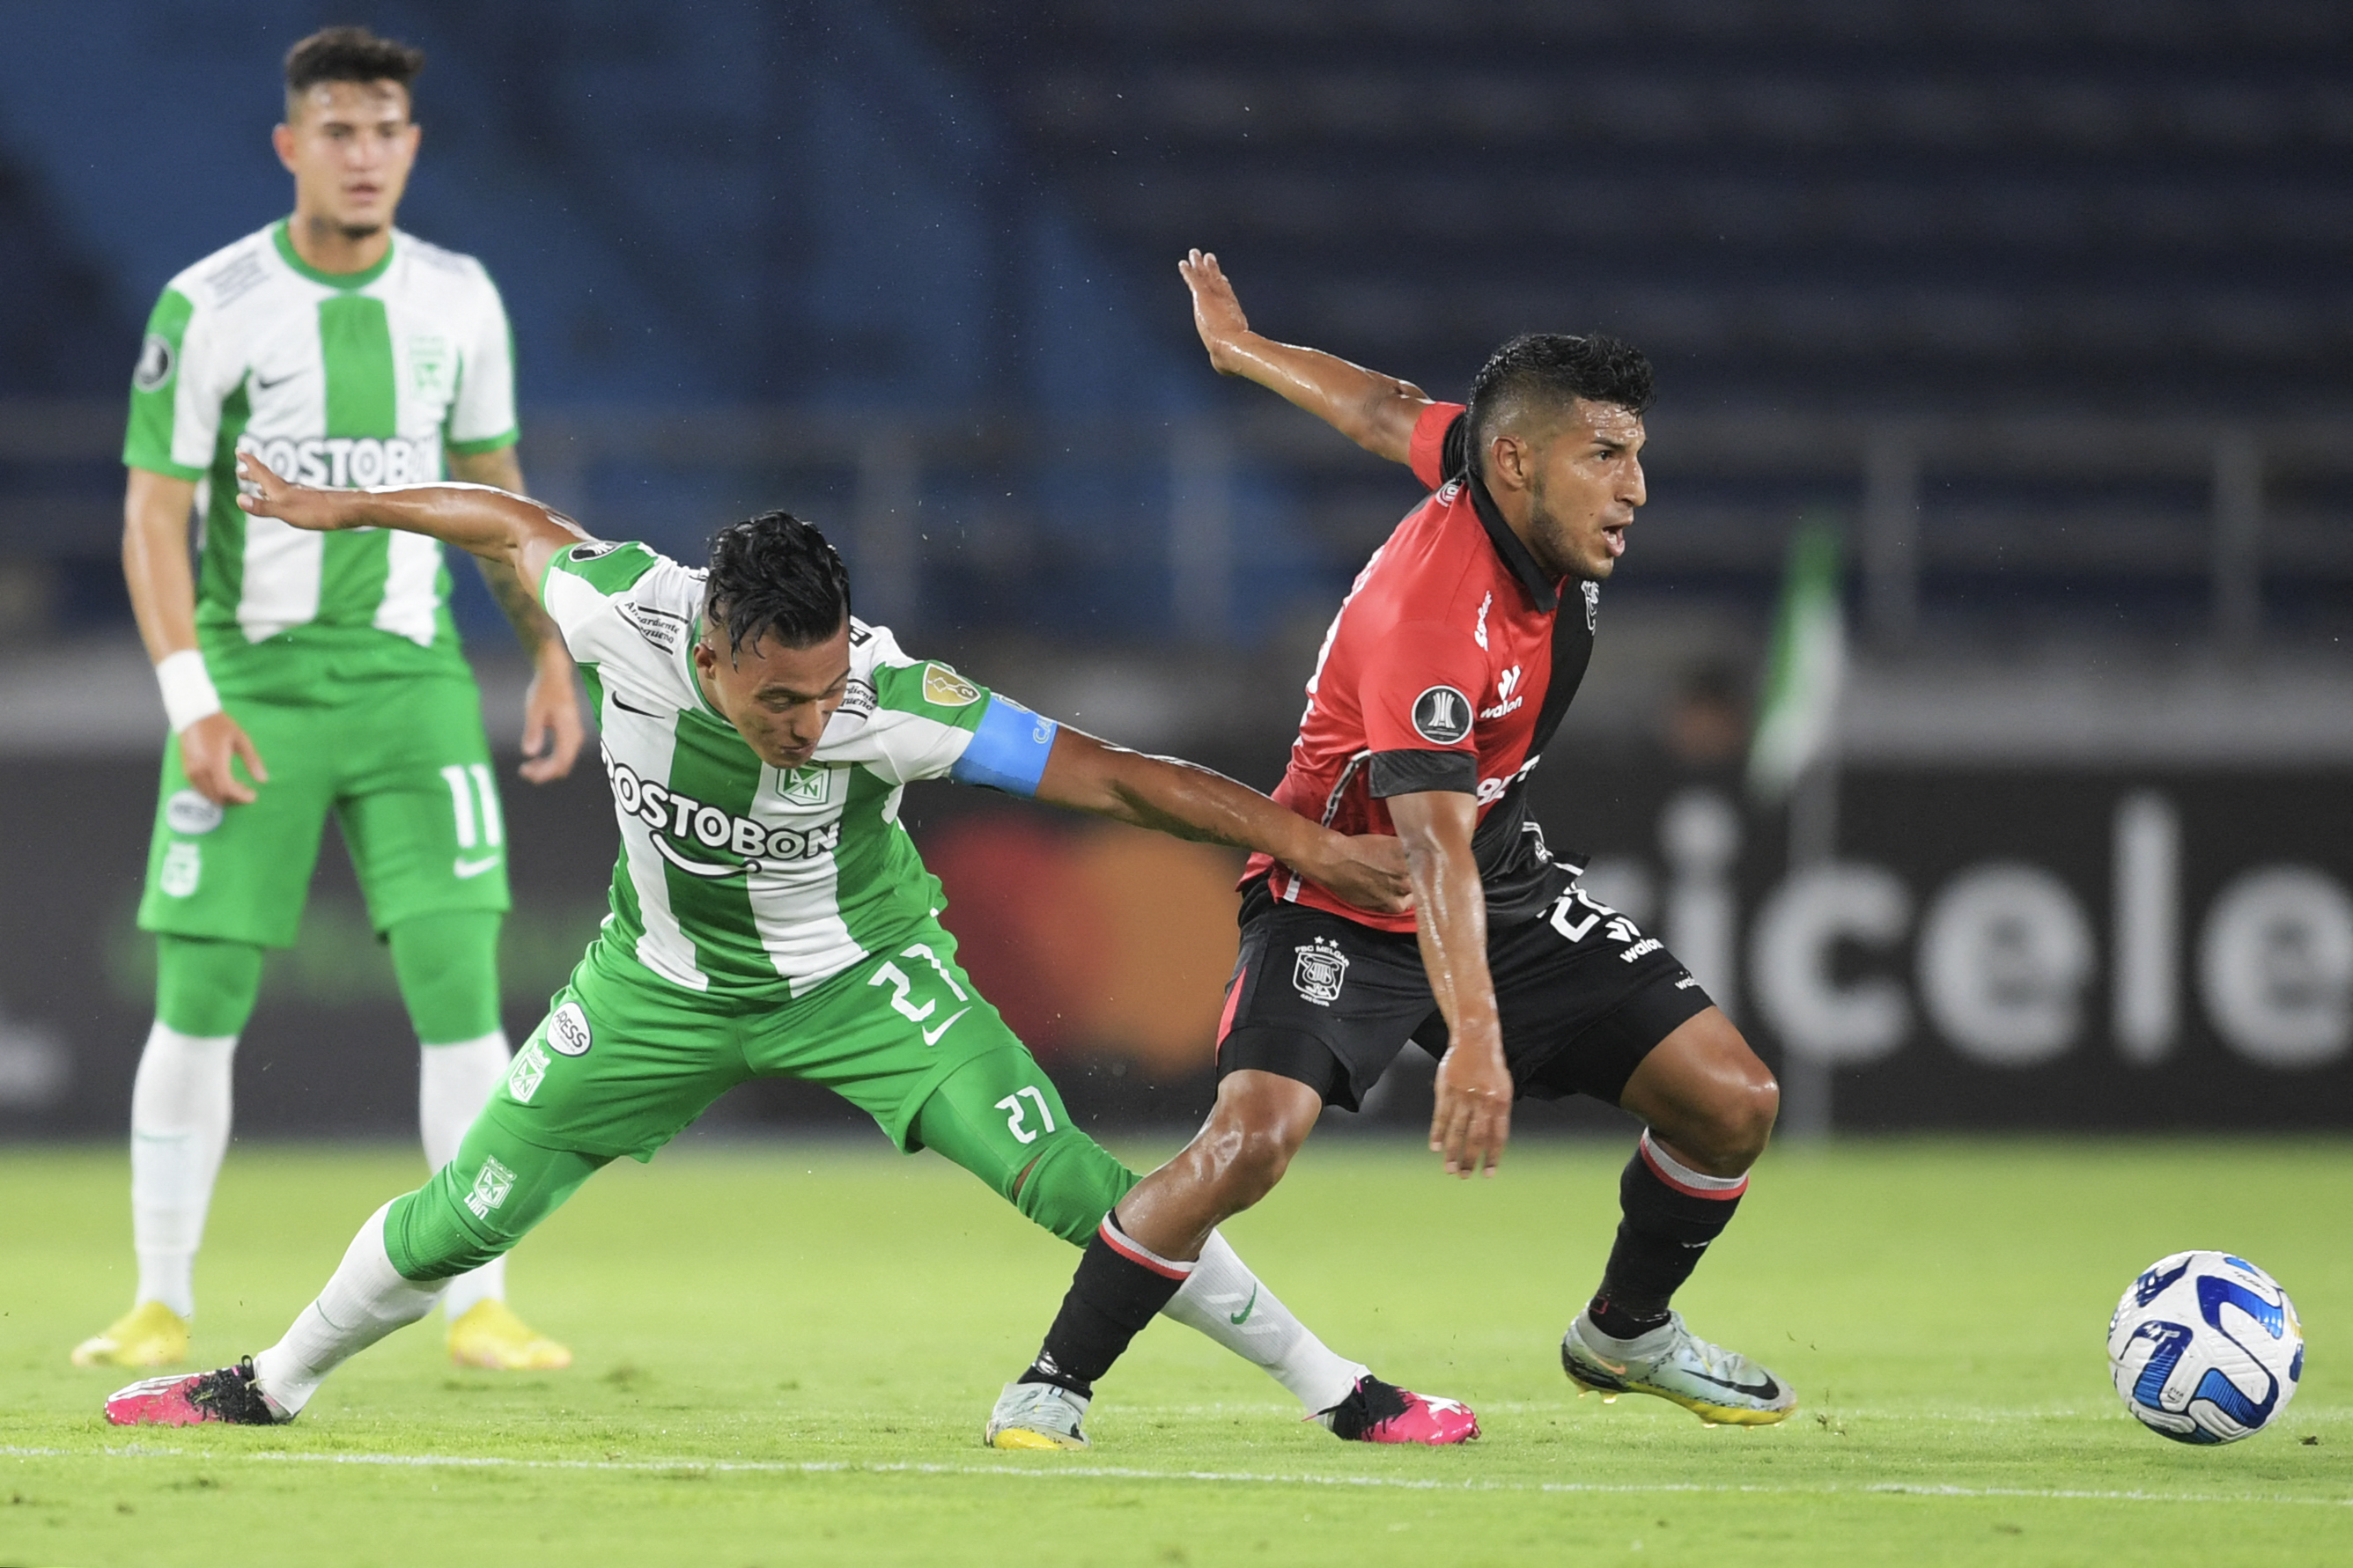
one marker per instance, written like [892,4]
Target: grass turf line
[785,1352]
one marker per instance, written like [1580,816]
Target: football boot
[1036,1415]
[1670,1362]
[150,1335]
[191,1399]
[1377,1412]
[490,1336]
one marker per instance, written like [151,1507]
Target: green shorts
[625,1060]
[406,769]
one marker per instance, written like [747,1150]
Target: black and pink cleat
[190,1399]
[1377,1412]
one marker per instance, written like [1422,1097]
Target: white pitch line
[1221,1477]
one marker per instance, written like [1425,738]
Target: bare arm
[155,510]
[1377,412]
[1083,773]
[505,530]
[552,730]
[1472,1119]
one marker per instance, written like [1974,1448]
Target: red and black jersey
[1448,668]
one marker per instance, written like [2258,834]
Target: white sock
[1223,1289]
[179,1130]
[365,1300]
[453,1083]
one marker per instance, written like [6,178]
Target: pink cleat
[1377,1412]
[188,1399]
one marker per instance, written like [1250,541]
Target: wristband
[188,694]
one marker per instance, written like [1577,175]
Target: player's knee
[1241,1160]
[1730,1134]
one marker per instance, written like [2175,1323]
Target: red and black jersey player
[1442,677]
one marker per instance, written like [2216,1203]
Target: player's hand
[1217,313]
[552,730]
[207,747]
[1472,1119]
[1367,870]
[264,494]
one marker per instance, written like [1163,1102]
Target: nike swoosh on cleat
[1769,1389]
[469,869]
[1239,1318]
[932,1037]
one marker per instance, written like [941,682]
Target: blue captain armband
[1008,751]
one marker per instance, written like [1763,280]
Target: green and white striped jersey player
[771,917]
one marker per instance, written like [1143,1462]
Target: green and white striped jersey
[360,379]
[734,877]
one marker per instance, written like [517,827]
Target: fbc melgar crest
[2205,1348]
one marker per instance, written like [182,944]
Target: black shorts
[1583,996]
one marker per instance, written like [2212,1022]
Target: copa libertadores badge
[1321,971]
[1442,715]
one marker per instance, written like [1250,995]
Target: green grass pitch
[785,1352]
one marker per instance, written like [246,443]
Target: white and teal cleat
[1714,1384]
[1036,1415]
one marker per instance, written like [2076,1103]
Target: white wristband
[188,694]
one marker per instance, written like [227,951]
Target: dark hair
[775,576]
[1554,368]
[349,54]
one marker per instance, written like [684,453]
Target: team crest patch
[432,368]
[567,1031]
[805,786]
[530,1068]
[491,1188]
[1442,715]
[944,687]
[184,867]
[157,363]
[1592,606]
[190,813]
[1321,971]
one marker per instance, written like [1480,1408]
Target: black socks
[1121,1286]
[1671,1212]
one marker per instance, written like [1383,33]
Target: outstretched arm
[1377,412]
[1083,773]
[501,529]
[552,730]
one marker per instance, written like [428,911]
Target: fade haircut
[1548,372]
[775,576]
[348,54]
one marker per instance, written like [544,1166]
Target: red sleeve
[1428,453]
[1419,694]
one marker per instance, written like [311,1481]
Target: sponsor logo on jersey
[662,629]
[491,1188]
[568,1034]
[1592,606]
[1321,971]
[944,687]
[1505,684]
[157,363]
[530,1068]
[678,820]
[858,699]
[1442,715]
[350,462]
[190,813]
[183,869]
[805,786]
[1492,790]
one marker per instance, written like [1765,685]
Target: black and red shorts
[1583,995]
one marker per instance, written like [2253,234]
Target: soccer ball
[2205,1348]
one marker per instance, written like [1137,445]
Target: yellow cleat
[150,1335]
[490,1336]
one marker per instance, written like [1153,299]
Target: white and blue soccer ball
[2205,1348]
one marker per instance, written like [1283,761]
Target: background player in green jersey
[353,355]
[771,917]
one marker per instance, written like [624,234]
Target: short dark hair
[775,576]
[349,54]
[1554,368]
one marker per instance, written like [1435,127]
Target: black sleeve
[1411,772]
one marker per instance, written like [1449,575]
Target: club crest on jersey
[432,368]
[157,363]
[1592,605]
[1321,971]
[190,813]
[1442,715]
[529,1071]
[805,786]
[944,687]
[491,1188]
[183,869]
[567,1031]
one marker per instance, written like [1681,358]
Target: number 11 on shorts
[486,827]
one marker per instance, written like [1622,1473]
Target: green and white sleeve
[182,379]
[483,417]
